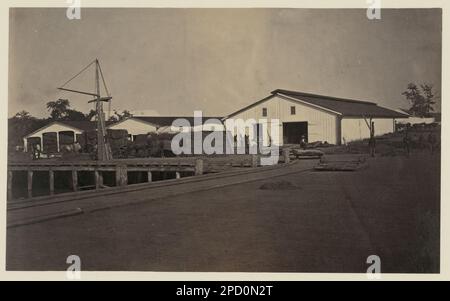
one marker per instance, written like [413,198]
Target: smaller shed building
[57,133]
[138,125]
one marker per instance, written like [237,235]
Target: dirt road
[323,222]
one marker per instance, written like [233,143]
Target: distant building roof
[162,121]
[342,106]
[80,125]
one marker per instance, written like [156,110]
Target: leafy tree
[120,116]
[91,114]
[23,115]
[58,109]
[75,115]
[421,99]
[21,124]
[429,98]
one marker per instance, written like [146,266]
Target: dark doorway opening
[49,141]
[293,132]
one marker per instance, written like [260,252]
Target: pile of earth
[279,185]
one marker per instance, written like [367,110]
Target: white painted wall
[321,123]
[357,129]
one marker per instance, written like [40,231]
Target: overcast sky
[175,61]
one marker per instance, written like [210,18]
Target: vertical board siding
[321,124]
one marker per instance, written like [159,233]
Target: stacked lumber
[341,163]
[307,153]
[118,141]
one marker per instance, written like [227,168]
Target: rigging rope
[78,73]
[103,80]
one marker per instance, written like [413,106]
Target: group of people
[36,150]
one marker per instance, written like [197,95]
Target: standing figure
[303,142]
[36,149]
[406,143]
[372,141]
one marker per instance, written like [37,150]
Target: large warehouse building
[319,118]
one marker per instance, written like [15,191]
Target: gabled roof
[341,106]
[79,125]
[346,107]
[162,121]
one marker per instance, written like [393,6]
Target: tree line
[421,98]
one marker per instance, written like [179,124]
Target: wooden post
[57,142]
[124,175]
[118,175]
[286,152]
[177,175]
[51,181]
[121,175]
[338,130]
[10,181]
[100,178]
[198,167]
[97,179]
[74,179]
[149,176]
[30,183]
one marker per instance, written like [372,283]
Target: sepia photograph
[187,139]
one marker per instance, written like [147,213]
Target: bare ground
[330,222]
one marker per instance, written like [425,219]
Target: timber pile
[151,145]
[88,141]
[307,153]
[341,163]
[118,141]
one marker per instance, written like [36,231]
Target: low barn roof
[80,125]
[167,121]
[343,106]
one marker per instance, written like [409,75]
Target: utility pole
[103,148]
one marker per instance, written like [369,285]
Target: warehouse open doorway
[293,132]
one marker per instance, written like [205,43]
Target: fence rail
[192,165]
